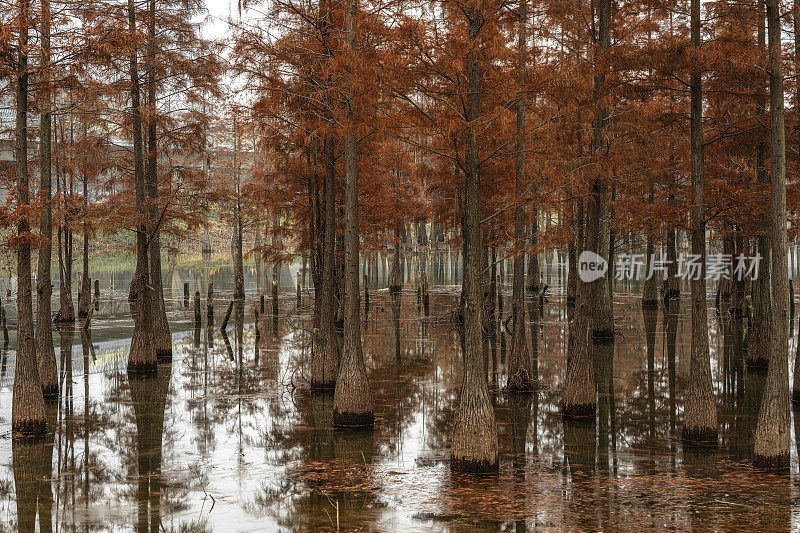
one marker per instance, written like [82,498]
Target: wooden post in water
[97,295]
[262,304]
[258,329]
[227,316]
[186,295]
[210,305]
[198,317]
[299,293]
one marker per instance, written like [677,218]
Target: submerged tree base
[353,420]
[775,462]
[29,429]
[463,465]
[649,304]
[579,411]
[570,301]
[704,435]
[141,369]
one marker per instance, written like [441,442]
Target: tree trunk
[162,337]
[579,397]
[85,294]
[28,416]
[597,237]
[700,409]
[142,358]
[534,272]
[238,260]
[572,254]
[671,289]
[45,351]
[474,439]
[395,285]
[772,439]
[758,337]
[650,292]
[395,278]
[520,371]
[66,312]
[238,257]
[796,20]
[325,352]
[352,400]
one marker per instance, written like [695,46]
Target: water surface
[227,438]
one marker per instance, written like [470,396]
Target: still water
[227,438]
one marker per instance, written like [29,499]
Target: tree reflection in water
[229,437]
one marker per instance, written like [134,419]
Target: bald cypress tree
[45,351]
[700,409]
[28,416]
[772,438]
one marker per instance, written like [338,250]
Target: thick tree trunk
[142,358]
[772,439]
[28,416]
[758,336]
[474,440]
[597,236]
[700,409]
[572,254]
[325,351]
[162,337]
[352,400]
[315,231]
[520,371]
[796,21]
[45,351]
[579,395]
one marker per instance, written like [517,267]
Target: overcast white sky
[218,13]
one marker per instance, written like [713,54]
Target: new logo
[591,266]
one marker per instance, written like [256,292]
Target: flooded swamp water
[227,438]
